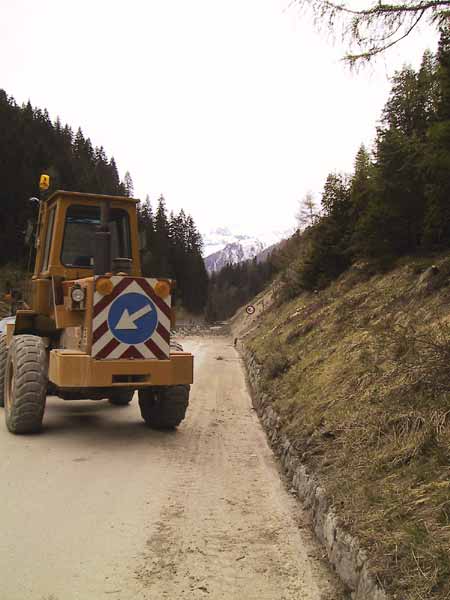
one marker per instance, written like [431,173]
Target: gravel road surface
[100,507]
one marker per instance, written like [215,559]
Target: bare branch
[352,58]
[379,27]
[380,8]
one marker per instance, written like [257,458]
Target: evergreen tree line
[30,144]
[397,200]
[173,248]
[235,285]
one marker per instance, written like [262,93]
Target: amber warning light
[104,286]
[44,182]
[162,288]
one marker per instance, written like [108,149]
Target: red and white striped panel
[106,346]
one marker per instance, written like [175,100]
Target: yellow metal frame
[74,369]
[61,200]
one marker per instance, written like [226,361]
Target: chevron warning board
[131,321]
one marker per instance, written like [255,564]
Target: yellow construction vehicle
[95,327]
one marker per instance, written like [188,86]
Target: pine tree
[402,109]
[147,237]
[162,246]
[361,182]
[102,171]
[437,160]
[113,176]
[428,91]
[195,292]
[308,212]
[128,185]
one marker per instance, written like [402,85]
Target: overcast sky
[232,109]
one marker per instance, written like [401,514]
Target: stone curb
[344,552]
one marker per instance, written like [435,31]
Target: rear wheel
[3,354]
[164,408]
[121,397]
[26,384]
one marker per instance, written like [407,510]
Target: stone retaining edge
[344,552]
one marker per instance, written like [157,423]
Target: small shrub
[441,278]
[419,266]
[276,364]
[300,332]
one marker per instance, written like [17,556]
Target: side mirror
[29,233]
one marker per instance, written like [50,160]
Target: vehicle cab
[67,237]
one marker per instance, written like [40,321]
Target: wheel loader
[95,328]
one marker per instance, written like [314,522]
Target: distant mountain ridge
[235,248]
[233,253]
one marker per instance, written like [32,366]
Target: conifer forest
[395,203]
[30,144]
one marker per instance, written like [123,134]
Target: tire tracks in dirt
[229,528]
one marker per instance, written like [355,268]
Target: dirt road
[99,506]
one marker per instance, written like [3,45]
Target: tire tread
[28,357]
[121,397]
[164,408]
[3,355]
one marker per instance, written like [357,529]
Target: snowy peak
[217,239]
[233,253]
[223,246]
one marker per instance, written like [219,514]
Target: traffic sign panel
[131,321]
[132,318]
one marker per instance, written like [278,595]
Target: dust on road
[99,506]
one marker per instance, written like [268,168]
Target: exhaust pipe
[102,254]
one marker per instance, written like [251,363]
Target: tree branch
[380,9]
[375,29]
[377,50]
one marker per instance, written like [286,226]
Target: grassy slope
[359,374]
[15,277]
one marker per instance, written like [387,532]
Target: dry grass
[12,275]
[360,375]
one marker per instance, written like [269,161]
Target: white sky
[232,109]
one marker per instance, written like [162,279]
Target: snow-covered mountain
[233,253]
[217,239]
[223,247]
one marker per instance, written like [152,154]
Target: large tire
[26,384]
[121,397]
[3,354]
[164,408]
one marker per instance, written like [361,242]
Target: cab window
[79,235]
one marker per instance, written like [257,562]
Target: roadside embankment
[352,385]
[343,550]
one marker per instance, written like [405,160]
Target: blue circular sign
[132,318]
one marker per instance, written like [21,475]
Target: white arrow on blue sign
[132,318]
